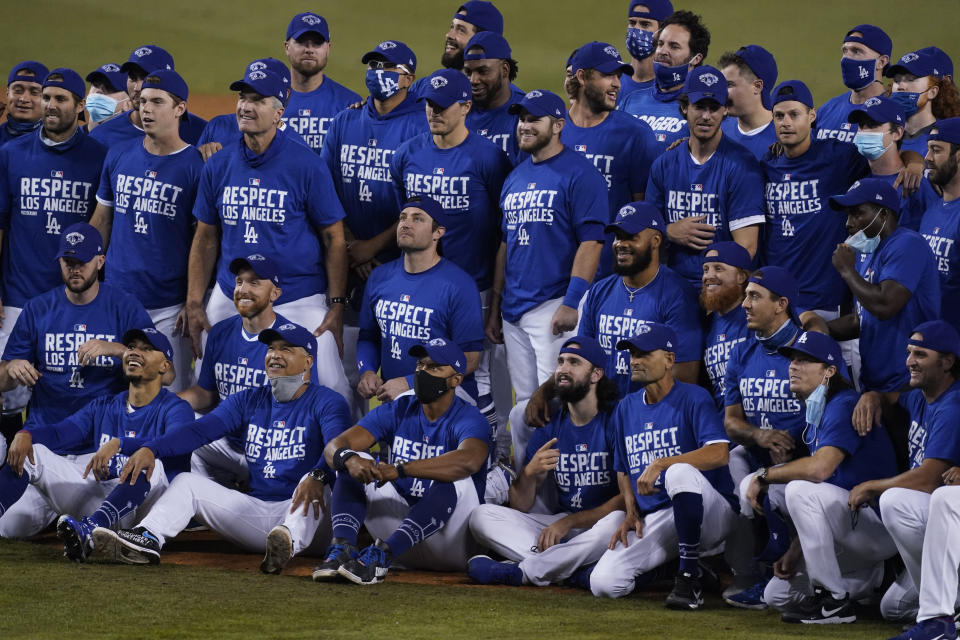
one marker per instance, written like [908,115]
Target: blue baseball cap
[705,83]
[871,36]
[728,252]
[601,56]
[260,264]
[873,190]
[944,62]
[791,90]
[650,337]
[764,66]
[429,206]
[482,15]
[946,130]
[442,352]
[915,63]
[80,241]
[818,346]
[573,54]
[493,45]
[540,102]
[308,22]
[880,109]
[168,80]
[781,282]
[937,335]
[292,333]
[270,64]
[266,83]
[111,75]
[38,72]
[655,9]
[152,337]
[445,87]
[147,59]
[635,217]
[392,51]
[587,348]
[66,79]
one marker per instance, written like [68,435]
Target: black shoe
[338,554]
[370,567]
[826,610]
[130,546]
[687,594]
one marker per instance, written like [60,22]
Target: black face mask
[428,388]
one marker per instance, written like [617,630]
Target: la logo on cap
[872,102]
[311,19]
[438,342]
[288,327]
[110,68]
[75,237]
[802,339]
[644,328]
[438,81]
[387,45]
[534,94]
[257,75]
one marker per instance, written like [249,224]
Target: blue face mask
[100,106]
[870,144]
[670,76]
[907,101]
[816,402]
[863,243]
[858,74]
[382,84]
[639,43]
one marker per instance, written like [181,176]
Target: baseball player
[25,108]
[418,505]
[129,125]
[842,557]
[681,46]
[265,194]
[643,23]
[942,60]
[751,74]
[117,425]
[315,97]
[572,458]
[287,425]
[471,18]
[145,207]
[726,269]
[554,205]
[710,189]
[488,64]
[671,462]
[939,225]
[925,95]
[107,95]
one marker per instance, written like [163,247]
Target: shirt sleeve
[705,418]
[105,190]
[334,417]
[205,378]
[942,441]
[205,208]
[71,432]
[397,164]
[381,422]
[745,189]
[620,462]
[654,191]
[587,323]
[179,414]
[21,345]
[368,343]
[904,261]
[466,316]
[470,423]
[836,429]
[330,151]
[6,195]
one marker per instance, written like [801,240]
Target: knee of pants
[610,581]
[486,522]
[901,601]
[746,509]
[779,594]
[899,510]
[683,478]
[799,492]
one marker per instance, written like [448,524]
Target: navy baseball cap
[650,337]
[871,36]
[167,80]
[270,64]
[587,348]
[66,79]
[266,83]
[80,241]
[442,352]
[781,282]
[482,15]
[880,109]
[445,87]
[655,9]
[946,130]
[601,56]
[152,337]
[917,64]
[147,59]
[292,333]
[818,346]
[111,75]
[764,66]
[635,217]
[259,264]
[792,90]
[540,102]
[573,54]
[705,83]
[728,252]
[38,72]
[873,190]
[392,51]
[937,335]
[428,205]
[493,46]
[944,63]
[308,22]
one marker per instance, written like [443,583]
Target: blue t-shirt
[628,85]
[832,119]
[756,142]
[43,190]
[933,426]
[224,129]
[549,208]
[275,204]
[499,126]
[584,475]
[913,207]
[48,334]
[609,316]
[412,436]
[152,199]
[941,229]
[310,113]
[466,180]
[727,189]
[120,129]
[682,421]
[661,112]
[802,231]
[904,257]
[918,141]
[724,332]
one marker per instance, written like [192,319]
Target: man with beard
[571,460]
[315,98]
[643,22]
[24,104]
[726,268]
[117,425]
[488,64]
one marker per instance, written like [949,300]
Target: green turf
[44,596]
[212,41]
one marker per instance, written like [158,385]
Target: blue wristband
[575,291]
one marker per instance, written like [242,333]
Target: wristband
[575,291]
[762,475]
[339,300]
[340,457]
[401,472]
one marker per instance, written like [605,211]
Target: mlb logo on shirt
[581,447]
[426,439]
[405,298]
[628,312]
[661,137]
[242,361]
[582,148]
[786,176]
[648,425]
[279,424]
[79,327]
[151,174]
[771,373]
[372,142]
[129,434]
[845,126]
[696,187]
[532,185]
[936,229]
[56,174]
[722,337]
[438,171]
[254,182]
[483,132]
[303,112]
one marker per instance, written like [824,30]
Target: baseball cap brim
[140,334]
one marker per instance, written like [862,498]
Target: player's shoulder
[20,144]
[385,272]
[843,402]
[949,401]
[343,95]
[624,120]
[904,240]
[692,394]
[841,101]
[463,414]
[224,328]
[671,280]
[119,298]
[170,402]
[415,144]
[456,275]
[604,286]
[735,152]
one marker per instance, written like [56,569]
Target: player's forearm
[871,297]
[523,490]
[846,327]
[355,438]
[688,372]
[203,256]
[626,493]
[6,381]
[747,237]
[740,431]
[806,468]
[198,398]
[385,239]
[102,221]
[705,458]
[335,259]
[449,467]
[589,517]
[499,278]
[586,260]
[185,438]
[924,478]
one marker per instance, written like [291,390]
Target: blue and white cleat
[370,567]
[486,570]
[942,628]
[76,536]
[749,598]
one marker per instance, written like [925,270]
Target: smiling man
[24,105]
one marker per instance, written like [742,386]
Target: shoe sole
[326,575]
[115,548]
[677,605]
[72,543]
[743,605]
[279,550]
[833,620]
[355,579]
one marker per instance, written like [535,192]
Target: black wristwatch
[319,475]
[401,472]
[762,475]
[339,300]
